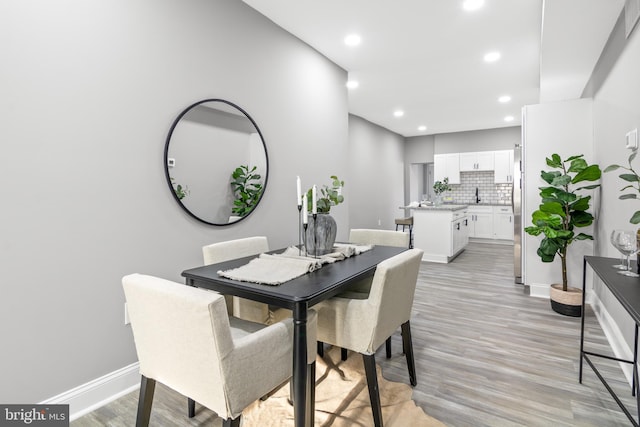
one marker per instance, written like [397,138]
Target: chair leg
[320,349]
[408,350]
[232,423]
[374,392]
[191,407]
[343,354]
[388,346]
[147,387]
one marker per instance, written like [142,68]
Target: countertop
[443,207]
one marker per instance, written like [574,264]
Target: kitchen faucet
[477,198]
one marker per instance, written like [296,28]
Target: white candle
[314,209]
[299,200]
[304,209]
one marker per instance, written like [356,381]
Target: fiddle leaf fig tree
[247,187]
[563,208]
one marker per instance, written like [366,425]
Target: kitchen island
[442,232]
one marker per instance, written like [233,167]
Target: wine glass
[628,245]
[613,239]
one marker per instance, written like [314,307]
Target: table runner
[275,269]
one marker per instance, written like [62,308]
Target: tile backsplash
[488,191]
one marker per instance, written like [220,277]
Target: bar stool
[406,222]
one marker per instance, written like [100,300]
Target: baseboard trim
[539,290]
[96,393]
[615,337]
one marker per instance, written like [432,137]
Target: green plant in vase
[440,187]
[321,232]
[247,188]
[329,196]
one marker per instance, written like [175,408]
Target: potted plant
[321,230]
[440,187]
[563,209]
[247,188]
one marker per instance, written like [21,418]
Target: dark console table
[627,291]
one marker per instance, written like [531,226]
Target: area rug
[342,399]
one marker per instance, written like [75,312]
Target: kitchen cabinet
[503,223]
[441,232]
[459,235]
[503,164]
[447,166]
[477,161]
[480,221]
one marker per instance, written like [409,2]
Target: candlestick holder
[304,238]
[315,235]
[299,229]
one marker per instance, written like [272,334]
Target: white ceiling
[425,57]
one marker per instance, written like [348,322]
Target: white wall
[89,91]
[376,178]
[616,111]
[564,128]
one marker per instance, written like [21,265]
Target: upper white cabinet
[477,161]
[447,166]
[503,167]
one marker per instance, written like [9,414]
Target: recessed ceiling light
[352,84]
[492,56]
[504,98]
[472,4]
[508,119]
[398,113]
[352,40]
[422,128]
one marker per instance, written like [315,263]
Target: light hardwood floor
[489,355]
[486,355]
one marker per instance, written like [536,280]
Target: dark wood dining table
[298,295]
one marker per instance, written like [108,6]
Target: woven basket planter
[568,303]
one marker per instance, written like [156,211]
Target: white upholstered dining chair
[186,340]
[365,236]
[362,325]
[241,307]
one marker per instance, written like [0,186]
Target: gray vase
[321,234]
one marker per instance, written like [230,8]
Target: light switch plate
[632,139]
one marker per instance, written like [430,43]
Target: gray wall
[89,90]
[375,185]
[477,140]
[616,111]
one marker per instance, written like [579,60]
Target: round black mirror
[215,162]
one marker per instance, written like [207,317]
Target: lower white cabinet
[480,222]
[503,223]
[490,222]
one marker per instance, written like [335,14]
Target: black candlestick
[299,235]
[315,235]
[304,226]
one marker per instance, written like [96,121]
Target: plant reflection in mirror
[247,189]
[181,192]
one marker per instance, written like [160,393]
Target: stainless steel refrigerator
[516,200]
